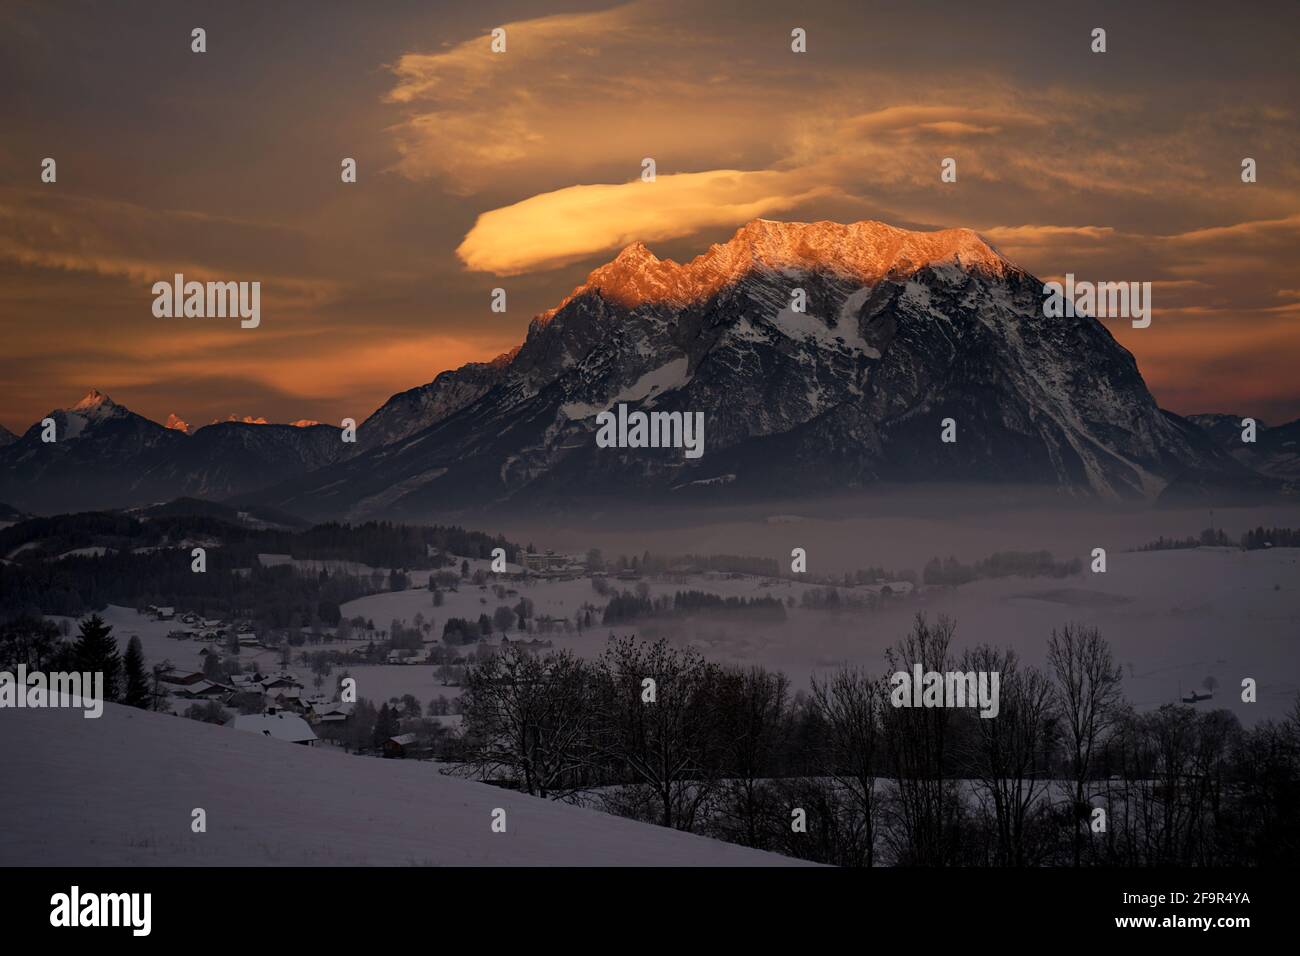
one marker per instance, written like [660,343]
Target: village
[386,680]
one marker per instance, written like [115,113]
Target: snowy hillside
[120,791]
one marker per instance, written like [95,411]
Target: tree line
[38,645]
[658,733]
[628,606]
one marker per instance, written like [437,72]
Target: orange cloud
[560,227]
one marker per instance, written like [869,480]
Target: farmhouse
[280,726]
[331,712]
[204,690]
[181,678]
[403,745]
[280,681]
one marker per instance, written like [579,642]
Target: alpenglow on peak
[861,251]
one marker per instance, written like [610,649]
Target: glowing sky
[522,170]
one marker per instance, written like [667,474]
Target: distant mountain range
[1275,451]
[107,456]
[900,331]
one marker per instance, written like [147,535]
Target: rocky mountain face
[226,458]
[898,331]
[1275,452]
[6,437]
[416,409]
[821,358]
[106,456]
[94,460]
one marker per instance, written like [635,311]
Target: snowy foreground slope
[120,791]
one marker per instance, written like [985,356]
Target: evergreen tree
[136,693]
[212,668]
[385,726]
[96,651]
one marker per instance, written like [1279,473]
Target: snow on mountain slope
[1274,452]
[899,331]
[106,456]
[120,791]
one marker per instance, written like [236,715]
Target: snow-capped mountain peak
[864,252]
[95,404]
[842,387]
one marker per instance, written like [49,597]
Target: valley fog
[1173,617]
[893,530]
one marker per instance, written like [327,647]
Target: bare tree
[1088,700]
[850,705]
[532,716]
[1012,758]
[927,801]
[670,744]
[752,707]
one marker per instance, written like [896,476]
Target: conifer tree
[136,690]
[96,651]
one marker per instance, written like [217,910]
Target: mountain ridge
[899,332]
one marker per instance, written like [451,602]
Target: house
[162,613]
[550,561]
[331,712]
[204,690]
[278,725]
[287,698]
[280,681]
[181,678]
[403,745]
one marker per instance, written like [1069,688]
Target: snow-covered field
[121,790]
[1173,618]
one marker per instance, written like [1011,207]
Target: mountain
[229,457]
[94,460]
[418,408]
[1275,451]
[249,517]
[901,330]
[106,456]
[6,437]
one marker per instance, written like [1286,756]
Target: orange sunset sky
[521,170]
